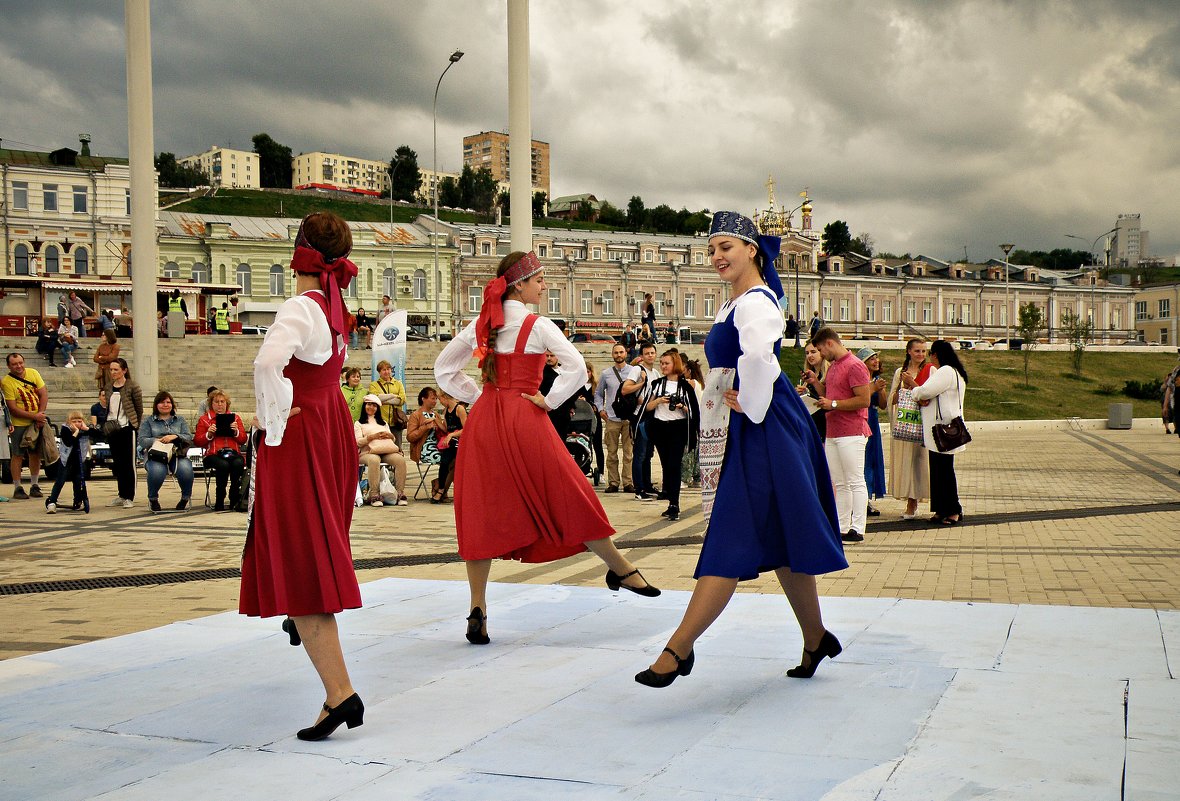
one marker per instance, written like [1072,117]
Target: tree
[477,189]
[636,213]
[863,244]
[1030,326]
[175,175]
[662,219]
[837,238]
[540,205]
[404,174]
[1077,330]
[448,193]
[610,214]
[274,162]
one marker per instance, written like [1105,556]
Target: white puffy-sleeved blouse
[300,331]
[571,372]
[759,323]
[944,388]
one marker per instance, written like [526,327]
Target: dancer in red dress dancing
[298,559]
[518,492]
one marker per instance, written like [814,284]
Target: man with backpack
[616,413]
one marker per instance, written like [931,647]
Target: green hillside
[255,203]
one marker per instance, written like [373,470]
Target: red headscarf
[491,314]
[335,275]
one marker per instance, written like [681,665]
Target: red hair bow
[334,276]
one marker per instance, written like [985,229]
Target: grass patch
[255,203]
[997,390]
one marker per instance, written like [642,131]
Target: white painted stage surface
[930,700]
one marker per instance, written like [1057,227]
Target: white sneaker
[376,502]
[126,504]
[403,501]
[51,508]
[116,502]
[70,364]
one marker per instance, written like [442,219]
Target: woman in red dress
[518,492]
[298,559]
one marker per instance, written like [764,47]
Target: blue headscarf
[739,226]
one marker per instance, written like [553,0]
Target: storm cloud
[934,126]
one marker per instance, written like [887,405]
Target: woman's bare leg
[801,591]
[321,640]
[709,598]
[605,550]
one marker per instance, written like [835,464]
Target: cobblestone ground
[1084,518]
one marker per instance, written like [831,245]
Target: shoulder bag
[952,435]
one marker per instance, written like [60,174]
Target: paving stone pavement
[1059,517]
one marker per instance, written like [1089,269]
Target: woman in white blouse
[941,399]
[518,494]
[673,420]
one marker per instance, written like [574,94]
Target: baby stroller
[579,442]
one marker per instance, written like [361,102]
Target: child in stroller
[579,442]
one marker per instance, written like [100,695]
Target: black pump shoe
[292,632]
[828,646]
[614,581]
[650,678]
[477,628]
[350,711]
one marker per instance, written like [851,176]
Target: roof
[568,202]
[578,235]
[36,158]
[277,229]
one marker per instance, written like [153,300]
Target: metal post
[458,54]
[140,139]
[1007,248]
[520,135]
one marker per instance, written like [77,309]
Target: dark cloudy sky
[931,125]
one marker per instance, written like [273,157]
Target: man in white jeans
[845,392]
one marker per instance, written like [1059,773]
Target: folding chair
[430,457]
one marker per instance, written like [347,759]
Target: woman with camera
[164,440]
[223,450]
[673,421]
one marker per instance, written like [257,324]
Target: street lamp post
[454,58]
[397,162]
[1007,248]
[1093,278]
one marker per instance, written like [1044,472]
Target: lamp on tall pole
[454,58]
[1093,278]
[1007,248]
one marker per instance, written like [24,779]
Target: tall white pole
[520,134]
[141,144]
[454,59]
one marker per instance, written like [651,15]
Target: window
[1003,315]
[543,251]
[1163,336]
[927,312]
[21,252]
[870,311]
[965,316]
[276,280]
[587,301]
[350,290]
[1141,310]
[50,197]
[474,299]
[468,249]
[690,305]
[171,270]
[698,258]
[886,311]
[200,273]
[608,302]
[1165,310]
[243,278]
[950,314]
[844,312]
[554,301]
[827,309]
[989,314]
[596,253]
[52,259]
[387,284]
[420,284]
[485,248]
[81,261]
[20,194]
[1116,318]
[710,302]
[648,256]
[79,200]
[127,199]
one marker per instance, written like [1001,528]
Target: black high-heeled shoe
[614,581]
[476,628]
[828,646]
[649,678]
[350,711]
[292,632]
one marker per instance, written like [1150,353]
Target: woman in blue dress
[773,507]
[874,451]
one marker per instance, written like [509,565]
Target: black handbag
[952,435]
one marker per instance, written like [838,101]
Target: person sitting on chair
[166,428]
[223,450]
[376,444]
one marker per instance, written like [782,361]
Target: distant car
[1012,344]
[255,330]
[416,336]
[966,344]
[100,455]
[699,337]
[592,339]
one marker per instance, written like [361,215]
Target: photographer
[673,418]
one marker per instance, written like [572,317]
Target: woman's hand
[879,385]
[167,438]
[907,381]
[730,399]
[294,411]
[808,377]
[537,399]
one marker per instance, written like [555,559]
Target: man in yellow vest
[176,303]
[221,319]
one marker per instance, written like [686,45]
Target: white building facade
[236,169]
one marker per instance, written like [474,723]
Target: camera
[674,404]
